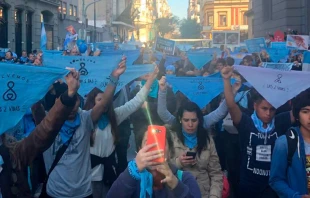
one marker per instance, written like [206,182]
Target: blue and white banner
[300,42]
[238,57]
[278,45]
[278,86]
[200,90]
[20,87]
[184,47]
[255,45]
[199,59]
[306,61]
[165,45]
[278,66]
[43,42]
[96,70]
[277,55]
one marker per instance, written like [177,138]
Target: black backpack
[292,141]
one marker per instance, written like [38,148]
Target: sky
[179,9]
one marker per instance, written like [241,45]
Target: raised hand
[227,72]
[162,83]
[237,85]
[73,81]
[120,69]
[145,157]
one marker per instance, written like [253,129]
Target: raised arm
[162,110]
[221,112]
[134,104]
[45,133]
[101,106]
[233,108]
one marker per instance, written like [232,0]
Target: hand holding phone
[191,154]
[157,135]
[186,160]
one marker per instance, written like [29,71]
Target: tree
[190,29]
[166,25]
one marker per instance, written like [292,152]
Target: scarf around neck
[103,122]
[190,140]
[68,128]
[260,125]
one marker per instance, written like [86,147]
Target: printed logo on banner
[10,93]
[278,66]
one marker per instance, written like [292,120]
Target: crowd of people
[77,146]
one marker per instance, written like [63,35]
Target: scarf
[259,124]
[154,88]
[68,128]
[190,140]
[103,121]
[29,124]
[145,178]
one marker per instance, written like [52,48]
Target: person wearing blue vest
[290,165]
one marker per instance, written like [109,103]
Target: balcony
[52,2]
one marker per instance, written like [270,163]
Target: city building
[250,15]
[21,22]
[145,13]
[224,15]
[193,10]
[272,15]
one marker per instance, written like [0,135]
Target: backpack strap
[292,141]
[180,175]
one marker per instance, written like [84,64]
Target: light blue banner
[199,59]
[95,70]
[255,45]
[127,47]
[278,45]
[200,90]
[277,54]
[213,50]
[279,66]
[165,45]
[20,87]
[184,47]
[105,46]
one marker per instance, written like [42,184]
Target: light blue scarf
[145,178]
[29,124]
[154,88]
[260,125]
[103,122]
[68,128]
[190,140]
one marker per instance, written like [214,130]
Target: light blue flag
[21,87]
[132,39]
[256,45]
[199,59]
[306,61]
[105,46]
[238,57]
[127,47]
[278,45]
[277,54]
[170,60]
[279,66]
[95,70]
[200,90]
[43,38]
[53,52]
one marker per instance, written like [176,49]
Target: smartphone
[157,134]
[191,154]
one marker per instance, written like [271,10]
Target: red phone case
[157,134]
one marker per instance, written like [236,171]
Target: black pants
[122,146]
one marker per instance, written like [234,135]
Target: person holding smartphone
[150,176]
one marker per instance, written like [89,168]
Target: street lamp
[84,15]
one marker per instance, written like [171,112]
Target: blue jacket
[289,181]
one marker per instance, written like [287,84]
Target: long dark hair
[202,133]
[90,103]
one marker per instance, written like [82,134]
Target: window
[71,10]
[64,8]
[210,19]
[75,11]
[244,19]
[17,16]
[223,19]
[1,12]
[267,10]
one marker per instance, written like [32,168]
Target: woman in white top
[105,136]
